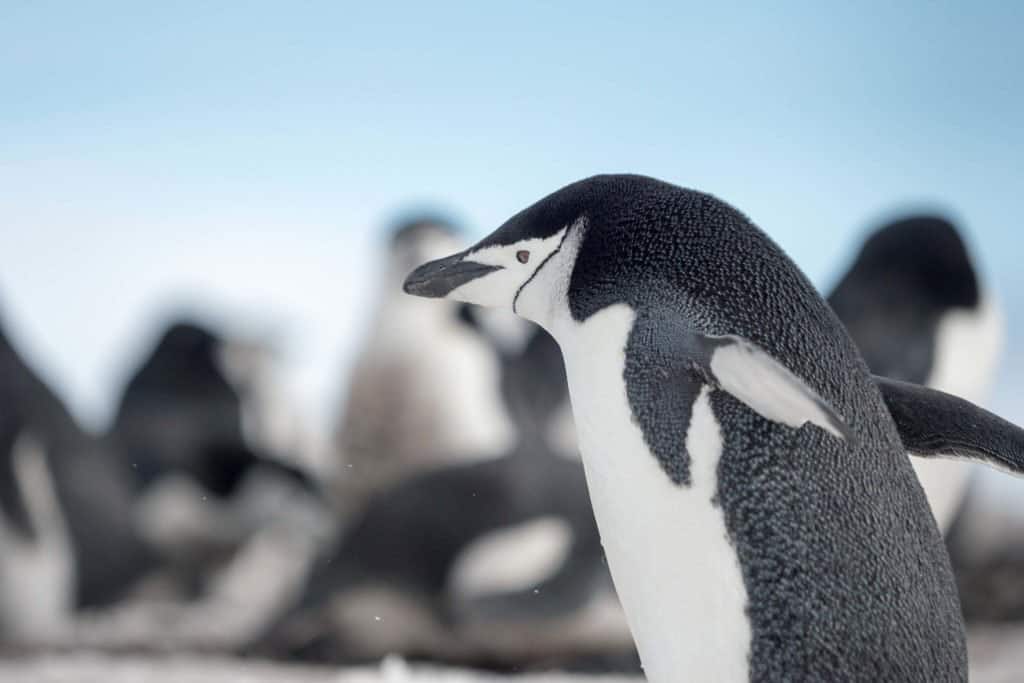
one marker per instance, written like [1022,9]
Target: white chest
[967,350]
[675,570]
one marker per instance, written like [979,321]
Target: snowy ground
[996,657]
[93,668]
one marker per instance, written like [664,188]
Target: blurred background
[244,166]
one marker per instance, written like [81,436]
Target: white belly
[968,346]
[676,572]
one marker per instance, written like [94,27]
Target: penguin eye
[522,256]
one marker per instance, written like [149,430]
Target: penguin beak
[439,278]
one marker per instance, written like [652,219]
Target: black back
[908,274]
[178,410]
[844,566]
[180,414]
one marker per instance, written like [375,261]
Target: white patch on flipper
[769,388]
[36,576]
[675,569]
[968,345]
[512,559]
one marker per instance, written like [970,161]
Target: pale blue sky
[244,156]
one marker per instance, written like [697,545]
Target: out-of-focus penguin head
[922,253]
[421,239]
[187,343]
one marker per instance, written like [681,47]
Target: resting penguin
[914,305]
[403,412]
[202,487]
[757,506]
[181,413]
[492,563]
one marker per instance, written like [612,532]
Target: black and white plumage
[68,534]
[197,480]
[491,563]
[909,279]
[180,413]
[914,303]
[403,413]
[758,530]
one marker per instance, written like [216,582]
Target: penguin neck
[667,545]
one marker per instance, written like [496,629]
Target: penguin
[914,304]
[402,412]
[495,562]
[67,529]
[758,508]
[386,586]
[198,482]
[180,412]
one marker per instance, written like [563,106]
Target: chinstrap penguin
[914,303]
[181,413]
[403,411]
[758,508]
[202,488]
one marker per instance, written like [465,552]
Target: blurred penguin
[67,537]
[203,488]
[495,563]
[915,306]
[424,390]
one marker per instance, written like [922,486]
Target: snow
[996,657]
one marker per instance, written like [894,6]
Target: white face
[529,277]
[517,264]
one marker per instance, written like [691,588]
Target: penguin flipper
[766,386]
[935,424]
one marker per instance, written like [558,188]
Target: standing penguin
[913,303]
[404,409]
[760,515]
[67,534]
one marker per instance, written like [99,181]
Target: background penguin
[493,563]
[67,529]
[914,305]
[202,488]
[423,392]
[721,405]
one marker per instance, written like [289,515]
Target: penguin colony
[748,473]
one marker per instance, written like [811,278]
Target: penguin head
[924,258]
[602,240]
[186,343]
[515,266]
